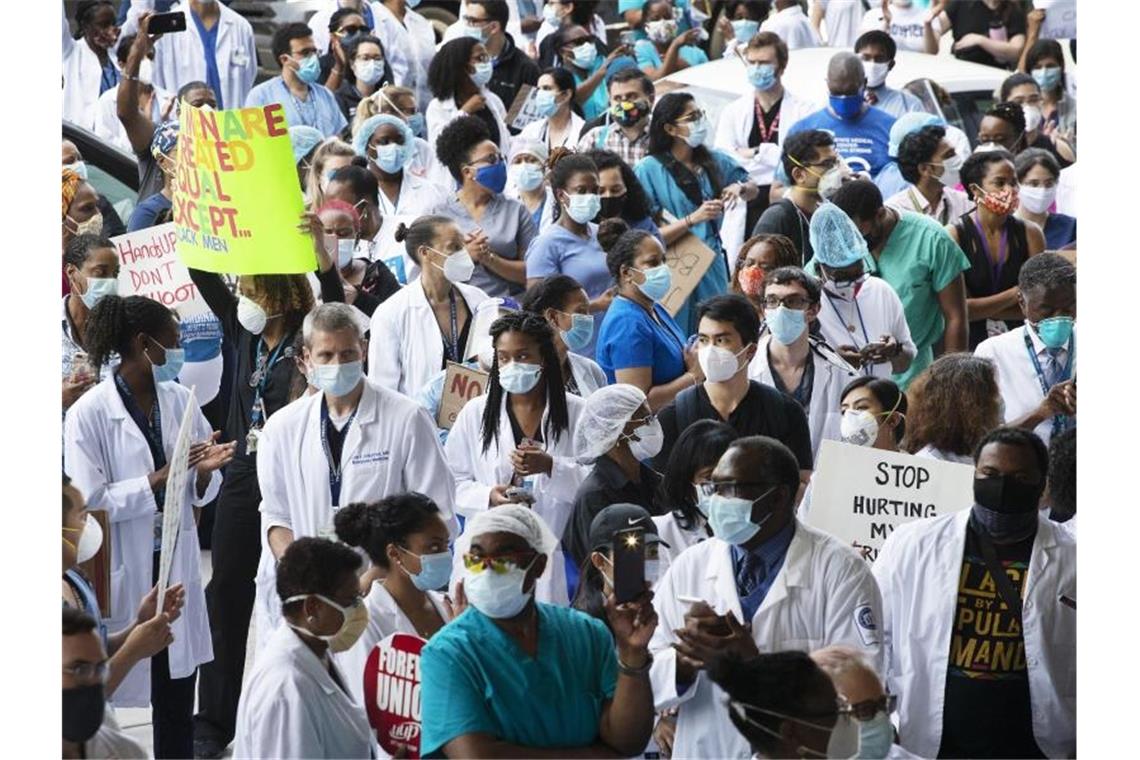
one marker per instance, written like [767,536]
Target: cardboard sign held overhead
[860,494]
[1060,19]
[148,267]
[460,385]
[688,259]
[237,202]
[392,693]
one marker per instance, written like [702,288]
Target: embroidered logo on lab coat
[865,622]
[372,458]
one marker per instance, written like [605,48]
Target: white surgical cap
[605,416]
[834,237]
[516,519]
[535,148]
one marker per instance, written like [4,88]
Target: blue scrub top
[630,338]
[476,679]
[210,51]
[862,142]
[664,193]
[1060,231]
[648,57]
[320,110]
[599,100]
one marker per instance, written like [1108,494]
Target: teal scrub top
[648,57]
[599,99]
[476,679]
[664,193]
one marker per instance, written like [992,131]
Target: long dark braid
[115,321]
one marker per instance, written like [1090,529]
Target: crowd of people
[845,299]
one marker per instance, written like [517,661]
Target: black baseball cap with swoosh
[621,517]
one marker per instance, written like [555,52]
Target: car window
[963,110]
[121,197]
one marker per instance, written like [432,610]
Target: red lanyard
[767,134]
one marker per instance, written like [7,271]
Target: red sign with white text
[392,693]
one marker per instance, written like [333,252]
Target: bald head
[845,74]
[853,678]
[759,459]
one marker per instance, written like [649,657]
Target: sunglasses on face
[500,564]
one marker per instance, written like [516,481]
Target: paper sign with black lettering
[1060,19]
[392,693]
[148,267]
[460,385]
[688,259]
[860,494]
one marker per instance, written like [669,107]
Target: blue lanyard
[261,374]
[451,346]
[151,428]
[1059,420]
[335,472]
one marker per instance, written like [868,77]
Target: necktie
[1053,366]
[751,572]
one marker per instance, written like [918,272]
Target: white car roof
[807,72]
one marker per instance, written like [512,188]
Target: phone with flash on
[629,564]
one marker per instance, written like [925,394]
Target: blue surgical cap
[835,239]
[621,63]
[907,123]
[364,134]
[304,139]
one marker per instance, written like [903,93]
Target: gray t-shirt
[508,226]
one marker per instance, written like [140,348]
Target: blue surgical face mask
[876,736]
[745,29]
[545,103]
[698,132]
[391,157]
[1047,78]
[97,287]
[1055,332]
[583,207]
[417,124]
[498,596]
[310,70]
[482,73]
[336,379]
[412,3]
[435,570]
[167,372]
[527,176]
[847,107]
[585,55]
[731,518]
[79,167]
[787,325]
[519,377]
[658,280]
[762,76]
[493,177]
[474,32]
[580,332]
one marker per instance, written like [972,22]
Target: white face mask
[650,439]
[352,627]
[858,426]
[843,742]
[498,596]
[457,267]
[719,364]
[1037,200]
[1033,117]
[90,540]
[950,171]
[251,316]
[876,73]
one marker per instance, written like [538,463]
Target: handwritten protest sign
[175,500]
[860,495]
[460,385]
[392,693]
[688,259]
[236,197]
[148,267]
[1060,19]
[523,110]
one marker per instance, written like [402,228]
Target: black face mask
[612,206]
[1007,495]
[82,712]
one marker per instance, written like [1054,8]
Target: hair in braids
[534,326]
[388,521]
[114,322]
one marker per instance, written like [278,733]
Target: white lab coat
[832,375]
[409,47]
[82,75]
[180,58]
[384,618]
[678,538]
[291,707]
[736,123]
[793,27]
[587,374]
[418,196]
[406,348]
[539,132]
[823,594]
[476,472]
[390,448]
[110,129]
[440,113]
[109,461]
[918,570]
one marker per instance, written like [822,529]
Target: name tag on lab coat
[373,458]
[240,58]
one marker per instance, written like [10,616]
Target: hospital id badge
[251,440]
[240,58]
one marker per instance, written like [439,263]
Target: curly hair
[563,165]
[977,166]
[287,294]
[79,248]
[919,148]
[114,322]
[610,231]
[447,75]
[391,520]
[314,566]
[1012,114]
[456,141]
[786,255]
[536,327]
[953,404]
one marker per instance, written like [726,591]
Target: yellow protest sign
[236,199]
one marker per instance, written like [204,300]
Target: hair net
[510,518]
[164,139]
[835,238]
[372,123]
[535,148]
[907,123]
[602,421]
[71,183]
[304,139]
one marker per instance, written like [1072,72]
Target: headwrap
[165,138]
[71,183]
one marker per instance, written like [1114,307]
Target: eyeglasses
[868,709]
[88,671]
[795,302]
[471,20]
[500,564]
[691,117]
[649,420]
[574,42]
[730,488]
[488,160]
